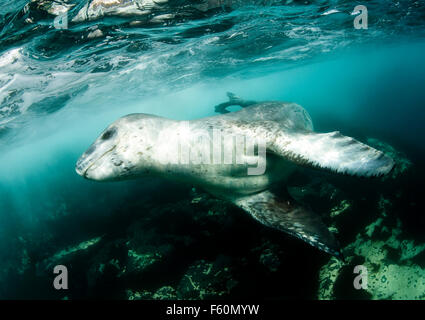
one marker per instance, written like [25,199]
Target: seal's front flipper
[286,215]
[332,152]
[233,101]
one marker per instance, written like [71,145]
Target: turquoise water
[61,88]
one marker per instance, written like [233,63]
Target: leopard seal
[137,145]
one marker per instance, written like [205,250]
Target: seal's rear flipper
[332,152]
[287,216]
[233,101]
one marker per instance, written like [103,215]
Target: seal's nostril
[80,167]
[81,170]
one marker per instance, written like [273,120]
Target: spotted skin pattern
[138,145]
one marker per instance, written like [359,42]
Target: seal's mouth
[80,169]
[83,166]
[85,162]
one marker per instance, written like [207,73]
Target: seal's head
[116,153]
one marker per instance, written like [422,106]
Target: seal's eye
[108,134]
